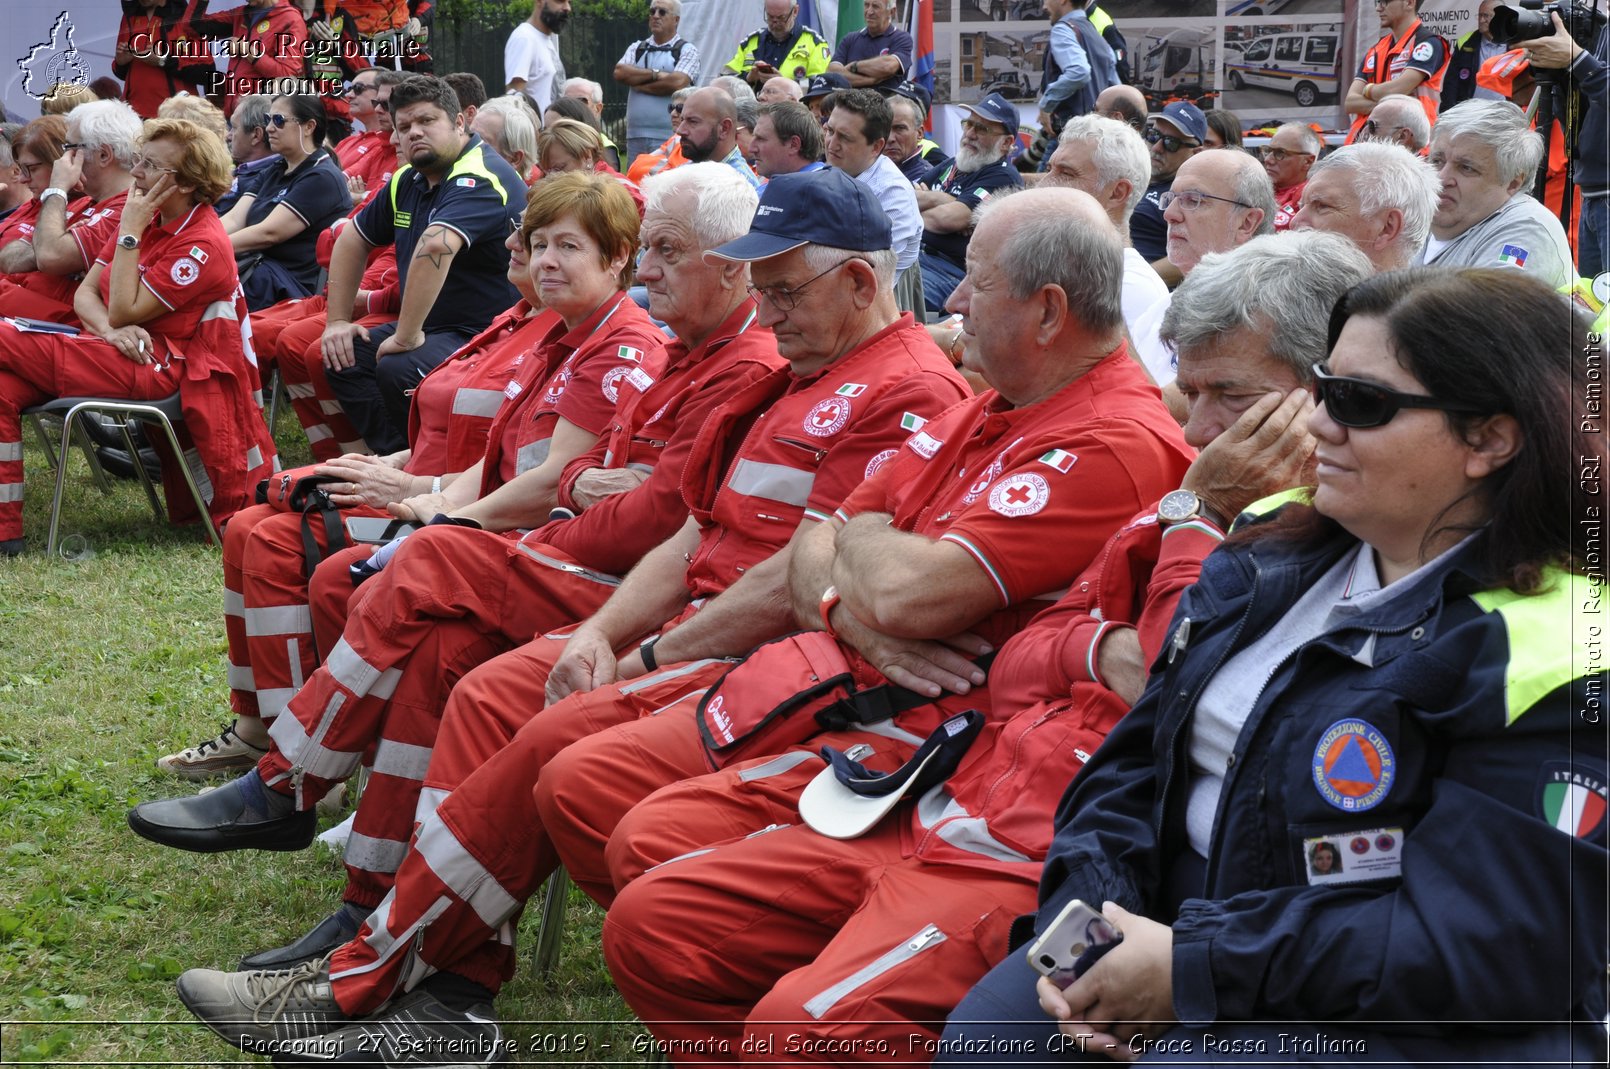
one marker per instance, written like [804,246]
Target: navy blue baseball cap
[823,84]
[997,109]
[914,91]
[846,798]
[817,208]
[1187,117]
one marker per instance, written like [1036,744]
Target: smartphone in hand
[1075,941]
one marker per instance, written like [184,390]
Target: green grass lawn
[106,663]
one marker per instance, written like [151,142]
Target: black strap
[877,704]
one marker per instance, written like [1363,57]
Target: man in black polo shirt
[950,191]
[448,212]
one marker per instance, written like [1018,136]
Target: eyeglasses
[277,121]
[785,300]
[144,162]
[1191,199]
[68,146]
[1169,142]
[659,12]
[987,128]
[1359,403]
[27,169]
[1372,128]
[1280,155]
[360,88]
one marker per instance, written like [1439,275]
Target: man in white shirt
[854,136]
[531,62]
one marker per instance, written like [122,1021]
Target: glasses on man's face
[1359,403]
[145,163]
[659,12]
[786,300]
[357,89]
[70,145]
[1280,155]
[1169,142]
[1191,200]
[983,129]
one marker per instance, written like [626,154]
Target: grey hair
[1503,126]
[1060,248]
[674,6]
[821,258]
[1280,286]
[682,94]
[735,87]
[1389,176]
[251,112]
[1406,112]
[1312,143]
[919,113]
[108,124]
[595,92]
[725,201]
[1254,187]
[1117,151]
[519,128]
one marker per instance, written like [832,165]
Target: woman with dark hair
[160,317]
[275,229]
[1402,663]
[1224,129]
[158,55]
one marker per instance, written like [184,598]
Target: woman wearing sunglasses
[275,229]
[1400,666]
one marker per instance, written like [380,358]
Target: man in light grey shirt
[652,69]
[855,135]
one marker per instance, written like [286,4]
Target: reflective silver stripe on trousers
[468,402]
[668,674]
[198,472]
[401,759]
[777,766]
[387,945]
[774,482]
[271,703]
[10,451]
[430,800]
[293,741]
[234,603]
[318,432]
[254,457]
[10,492]
[464,875]
[358,675]
[220,310]
[899,955]
[331,408]
[299,390]
[531,455]
[374,855]
[279,620]
[240,677]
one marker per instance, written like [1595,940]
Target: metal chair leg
[140,472]
[555,897]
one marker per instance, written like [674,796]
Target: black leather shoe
[117,462]
[334,930]
[219,820]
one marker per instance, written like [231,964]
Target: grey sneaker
[259,1012]
[225,753]
[416,1029]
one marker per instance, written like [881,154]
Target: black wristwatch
[128,241]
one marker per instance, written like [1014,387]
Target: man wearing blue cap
[1175,134]
[769,465]
[950,191]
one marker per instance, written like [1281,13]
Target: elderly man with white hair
[1398,120]
[652,69]
[1287,157]
[99,160]
[1378,196]
[1487,155]
[779,89]
[507,125]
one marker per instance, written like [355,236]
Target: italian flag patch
[1059,459]
[626,352]
[910,421]
[851,389]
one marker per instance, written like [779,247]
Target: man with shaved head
[942,553]
[1124,103]
[779,89]
[709,131]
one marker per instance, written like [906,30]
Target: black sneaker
[417,1029]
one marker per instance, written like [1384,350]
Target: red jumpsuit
[757,471]
[368,155]
[276,38]
[199,350]
[898,924]
[271,649]
[41,295]
[348,706]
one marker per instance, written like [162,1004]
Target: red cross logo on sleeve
[1020,495]
[828,417]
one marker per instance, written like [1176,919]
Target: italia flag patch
[910,421]
[1059,459]
[1572,799]
[198,254]
[851,389]
[626,352]
[1512,256]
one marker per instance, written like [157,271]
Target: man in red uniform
[1408,59]
[267,40]
[46,269]
[159,54]
[771,462]
[863,926]
[370,147]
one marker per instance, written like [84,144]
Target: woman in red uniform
[160,316]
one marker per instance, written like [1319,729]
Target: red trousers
[266,614]
[451,599]
[38,367]
[789,947]
[483,851]
[662,800]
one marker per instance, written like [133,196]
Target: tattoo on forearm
[435,245]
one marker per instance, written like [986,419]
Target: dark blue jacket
[1479,701]
[1591,75]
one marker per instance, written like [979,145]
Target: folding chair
[555,897]
[165,414]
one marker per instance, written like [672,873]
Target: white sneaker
[225,754]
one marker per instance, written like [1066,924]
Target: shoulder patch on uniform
[1423,50]
[924,444]
[198,254]
[878,461]
[851,389]
[1023,494]
[1059,459]
[910,421]
[185,271]
[828,417]
[1512,256]
[1353,765]
[1572,798]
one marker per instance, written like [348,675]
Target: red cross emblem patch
[1020,495]
[828,417]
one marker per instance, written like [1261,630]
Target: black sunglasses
[1359,403]
[1170,143]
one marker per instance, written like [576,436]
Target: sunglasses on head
[1170,143]
[1359,403]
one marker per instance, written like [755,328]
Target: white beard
[970,160]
